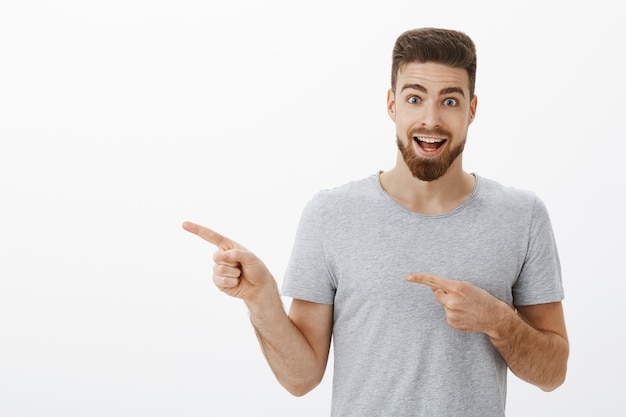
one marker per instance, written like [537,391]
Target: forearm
[536,356]
[294,362]
[298,366]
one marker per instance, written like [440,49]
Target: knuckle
[224,282]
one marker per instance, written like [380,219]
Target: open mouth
[428,144]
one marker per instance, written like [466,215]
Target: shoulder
[335,207]
[508,205]
[506,197]
[355,191]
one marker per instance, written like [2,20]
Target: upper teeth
[430,140]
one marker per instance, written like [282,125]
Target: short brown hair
[443,46]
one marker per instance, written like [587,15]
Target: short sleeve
[540,278]
[307,276]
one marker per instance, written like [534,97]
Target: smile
[429,144]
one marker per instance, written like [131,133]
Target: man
[484,254]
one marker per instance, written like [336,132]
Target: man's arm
[532,340]
[534,344]
[295,346]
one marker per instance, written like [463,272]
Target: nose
[430,115]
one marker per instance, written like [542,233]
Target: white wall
[119,120]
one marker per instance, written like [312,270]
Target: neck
[428,197]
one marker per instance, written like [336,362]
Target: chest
[374,256]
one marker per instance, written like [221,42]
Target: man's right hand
[303,337]
[237,271]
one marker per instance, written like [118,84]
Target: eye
[414,100]
[450,102]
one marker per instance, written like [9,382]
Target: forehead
[432,75]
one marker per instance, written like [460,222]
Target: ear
[391,104]
[472,109]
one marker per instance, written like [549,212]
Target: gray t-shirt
[394,353]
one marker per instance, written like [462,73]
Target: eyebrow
[447,90]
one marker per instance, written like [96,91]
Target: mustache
[422,131]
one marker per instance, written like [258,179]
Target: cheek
[404,117]
[402,126]
[457,122]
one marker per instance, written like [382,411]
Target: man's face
[432,111]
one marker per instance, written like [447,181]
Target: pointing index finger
[209,235]
[432,281]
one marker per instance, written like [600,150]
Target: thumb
[240,256]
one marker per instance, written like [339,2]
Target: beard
[428,169]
